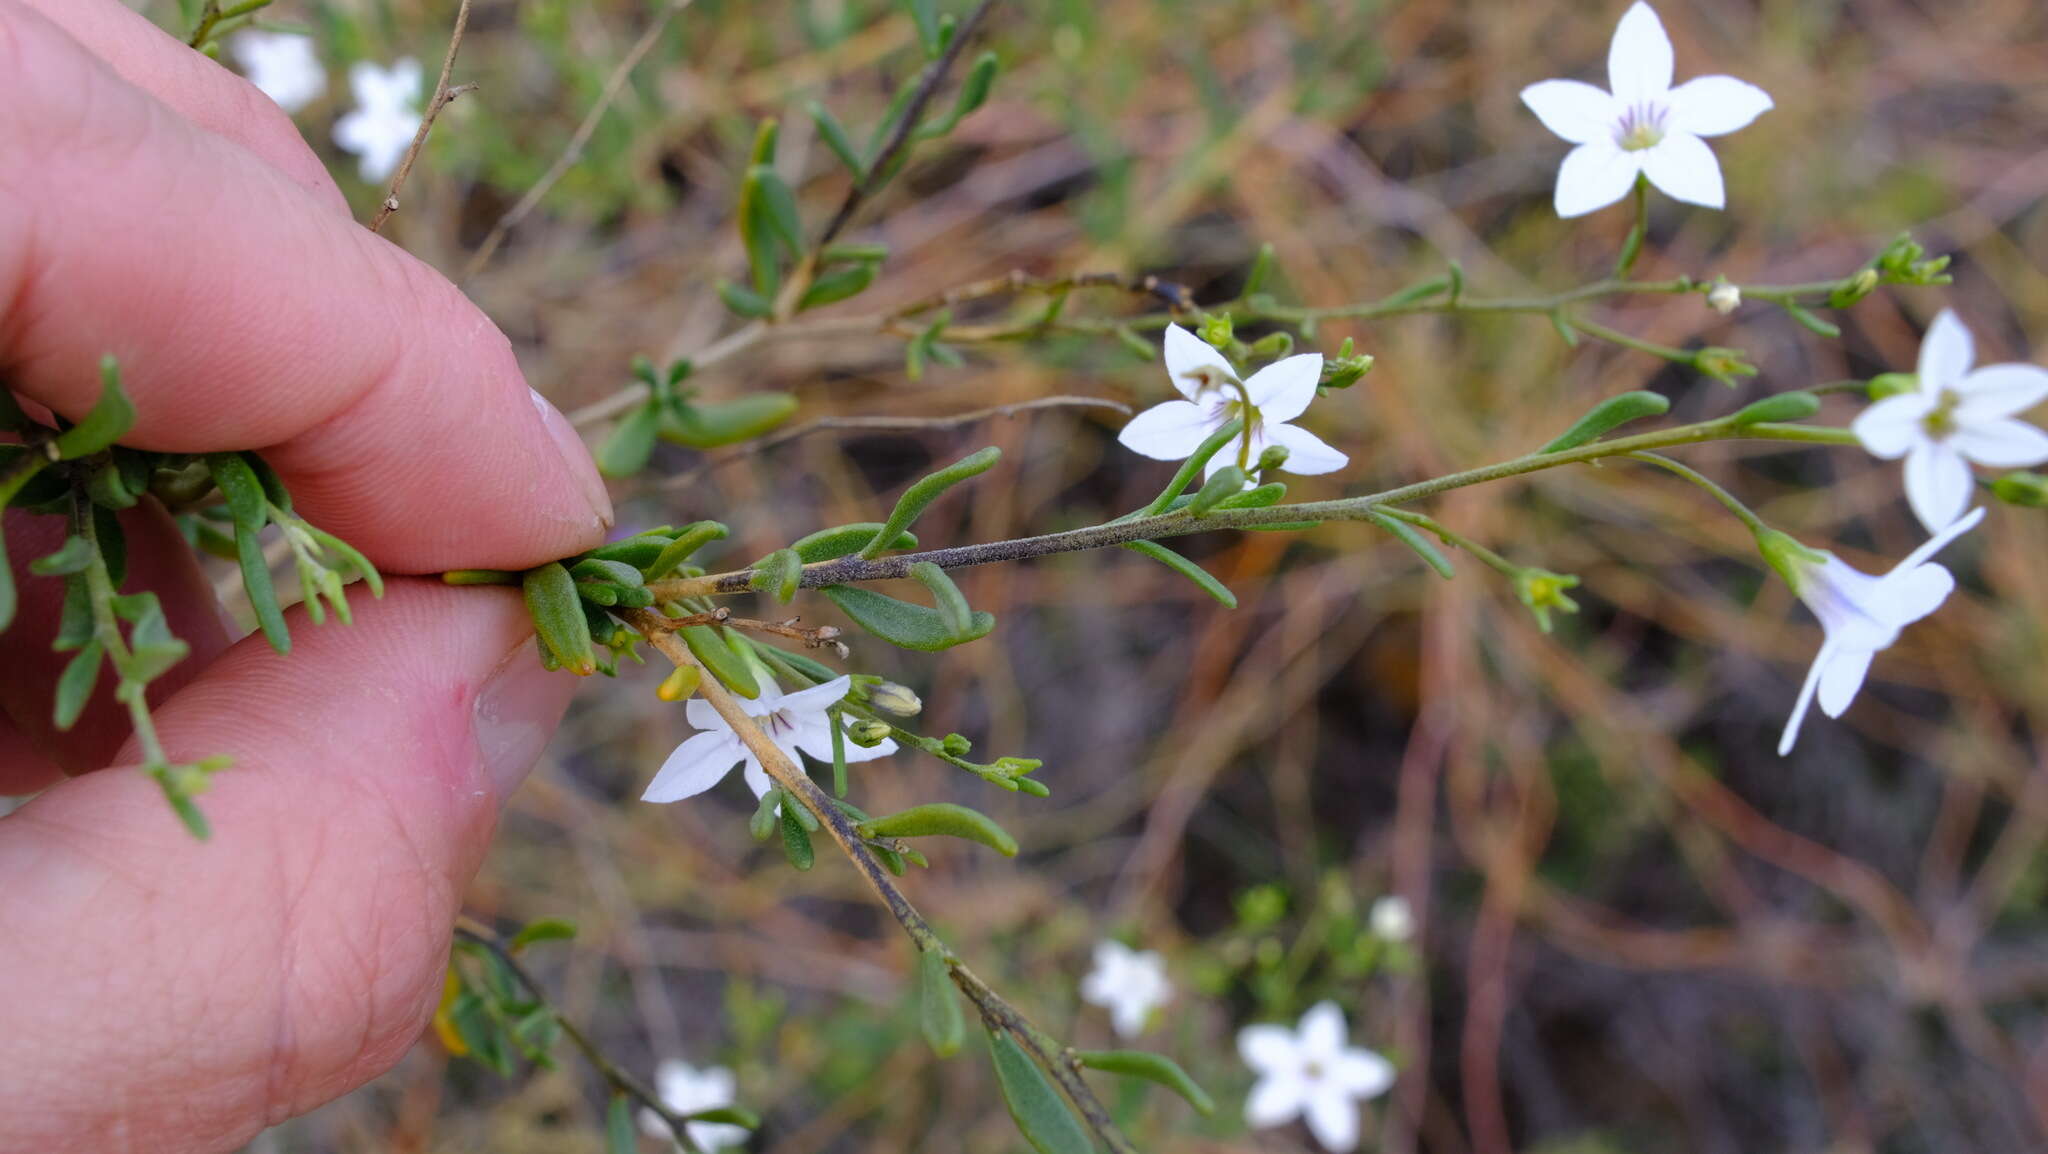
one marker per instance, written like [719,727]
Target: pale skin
[158,993]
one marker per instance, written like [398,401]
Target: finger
[158,561]
[245,316]
[300,952]
[196,88]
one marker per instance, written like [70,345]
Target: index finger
[246,315]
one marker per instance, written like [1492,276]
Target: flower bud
[2027,490]
[955,745]
[1217,330]
[1272,457]
[867,734]
[1724,298]
[1392,920]
[1792,560]
[1542,591]
[1727,366]
[1853,289]
[679,685]
[890,697]
[1342,372]
[1892,384]
[1273,345]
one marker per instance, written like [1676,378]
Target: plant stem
[1733,504]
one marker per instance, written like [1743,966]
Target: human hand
[159,993]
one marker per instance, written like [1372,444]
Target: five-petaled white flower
[1128,983]
[1956,417]
[1645,127]
[1313,1073]
[795,722]
[1267,400]
[1859,614]
[686,1091]
[283,65]
[1392,920]
[386,116]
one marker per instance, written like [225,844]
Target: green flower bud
[1853,289]
[1273,345]
[1342,372]
[1218,331]
[1542,591]
[890,697]
[1727,366]
[1272,457]
[955,745]
[1892,384]
[867,734]
[2027,490]
[1792,560]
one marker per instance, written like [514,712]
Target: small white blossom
[1645,127]
[795,722]
[283,65]
[1129,983]
[386,116]
[1392,920]
[1267,400]
[686,1091]
[1724,298]
[1860,614]
[1957,416]
[1312,1073]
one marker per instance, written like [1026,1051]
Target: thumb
[197,991]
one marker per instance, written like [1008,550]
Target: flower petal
[2001,444]
[1268,1048]
[1594,176]
[1938,484]
[2001,391]
[1187,354]
[1806,691]
[1307,455]
[1333,1119]
[757,777]
[1911,594]
[1362,1072]
[695,766]
[1322,1032]
[1578,112]
[817,698]
[1282,390]
[1892,426]
[1715,105]
[1127,1016]
[1939,541]
[1639,59]
[1170,431]
[700,713]
[1684,167]
[1946,354]
[1841,678]
[1275,1100]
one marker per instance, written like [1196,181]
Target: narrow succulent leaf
[943,819]
[557,610]
[710,425]
[954,612]
[1041,1114]
[1193,466]
[1407,535]
[620,1136]
[837,285]
[744,301]
[1153,1067]
[687,542]
[925,491]
[1607,415]
[938,1004]
[1796,406]
[780,573]
[75,684]
[834,135]
[1225,482]
[543,930]
[902,623]
[110,417]
[709,648]
[845,540]
[75,555]
[1203,579]
[796,842]
[631,443]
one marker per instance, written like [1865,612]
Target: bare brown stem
[442,95]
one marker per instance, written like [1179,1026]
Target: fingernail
[516,712]
[577,455]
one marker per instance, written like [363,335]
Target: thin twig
[442,95]
[573,152]
[690,477]
[824,636]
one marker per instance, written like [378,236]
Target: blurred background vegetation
[1641,929]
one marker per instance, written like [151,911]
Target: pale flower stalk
[1860,614]
[1957,416]
[386,116]
[686,1090]
[1215,396]
[1644,128]
[283,65]
[796,722]
[1129,983]
[1314,1074]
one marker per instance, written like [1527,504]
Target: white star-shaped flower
[795,722]
[686,1091]
[283,65]
[1860,614]
[1392,920]
[1128,983]
[1958,416]
[386,116]
[1312,1073]
[1645,127]
[1268,399]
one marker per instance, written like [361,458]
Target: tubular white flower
[1267,400]
[282,65]
[685,1090]
[1957,416]
[1861,614]
[795,722]
[1129,983]
[1312,1073]
[387,115]
[1391,919]
[1644,127]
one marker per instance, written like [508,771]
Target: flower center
[1641,127]
[1940,422]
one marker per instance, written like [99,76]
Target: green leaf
[151,648]
[74,623]
[1225,482]
[612,572]
[1154,1067]
[1608,414]
[954,612]
[1407,535]
[74,556]
[1193,466]
[1039,1111]
[925,15]
[844,540]
[1795,406]
[925,491]
[744,301]
[75,684]
[687,542]
[727,1115]
[626,451]
[639,551]
[248,506]
[973,94]
[620,1137]
[796,844]
[938,1004]
[708,645]
[757,233]
[544,930]
[553,601]
[1202,578]
[714,424]
[778,204]
[904,624]
[108,487]
[780,573]
[1812,323]
[834,135]
[837,285]
[943,819]
[112,416]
